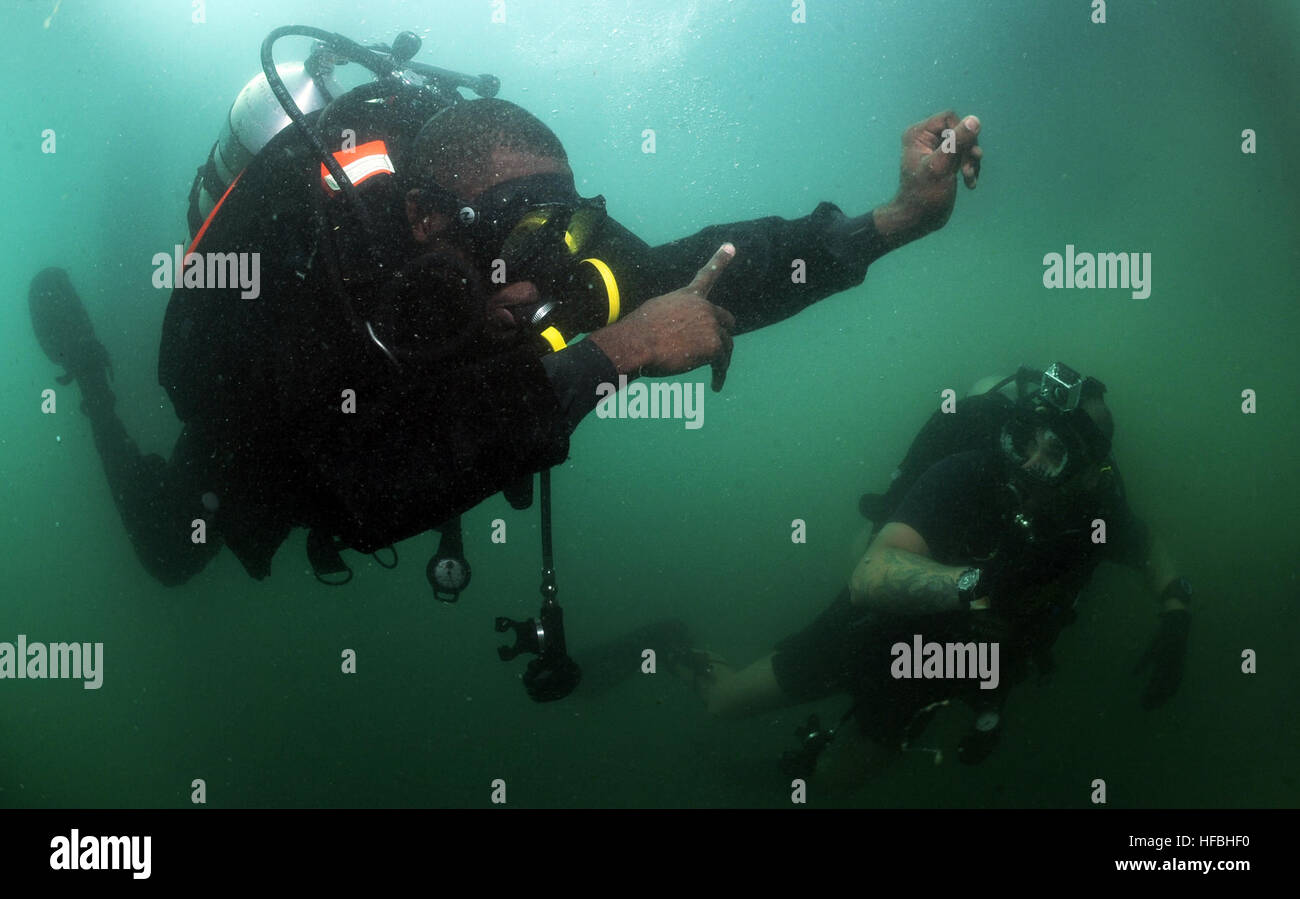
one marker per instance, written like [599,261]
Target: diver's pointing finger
[705,277]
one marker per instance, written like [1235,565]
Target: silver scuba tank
[254,118]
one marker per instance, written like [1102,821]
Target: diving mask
[1050,438]
[538,229]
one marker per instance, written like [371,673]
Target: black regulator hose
[383,64]
[343,47]
[386,64]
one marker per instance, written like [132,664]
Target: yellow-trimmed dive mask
[505,221]
[546,228]
[579,292]
[537,229]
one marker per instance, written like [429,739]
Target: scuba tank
[287,92]
[551,247]
[254,118]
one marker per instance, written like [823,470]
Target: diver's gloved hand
[1022,578]
[1006,578]
[990,626]
[1165,658]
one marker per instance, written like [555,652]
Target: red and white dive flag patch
[360,163]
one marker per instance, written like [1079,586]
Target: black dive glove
[1165,658]
[1004,578]
[1014,581]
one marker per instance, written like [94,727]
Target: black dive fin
[62,326]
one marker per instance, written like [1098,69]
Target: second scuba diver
[987,535]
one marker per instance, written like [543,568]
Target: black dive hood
[389,65]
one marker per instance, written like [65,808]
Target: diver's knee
[731,693]
[726,695]
[724,705]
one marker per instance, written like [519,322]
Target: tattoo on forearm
[902,574]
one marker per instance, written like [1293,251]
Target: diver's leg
[157,501]
[729,693]
[152,497]
[815,663]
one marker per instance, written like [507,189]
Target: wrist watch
[966,584]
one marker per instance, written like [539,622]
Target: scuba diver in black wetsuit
[987,534]
[425,265]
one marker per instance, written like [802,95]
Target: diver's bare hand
[676,332]
[927,181]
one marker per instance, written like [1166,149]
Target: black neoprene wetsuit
[259,382]
[958,508]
